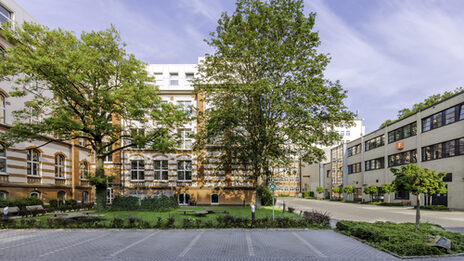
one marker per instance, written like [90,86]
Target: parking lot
[62,244]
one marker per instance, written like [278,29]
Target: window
[158,78]
[173,79]
[189,77]
[402,195]
[61,195]
[3,195]
[214,199]
[347,133]
[185,139]
[59,166]
[402,158]
[342,133]
[403,132]
[137,169]
[374,164]
[34,194]
[5,15]
[184,199]
[161,169]
[356,149]
[184,170]
[443,118]
[185,106]
[354,168]
[84,170]
[109,195]
[33,162]
[109,157]
[85,197]
[374,143]
[443,150]
[2,158]
[2,109]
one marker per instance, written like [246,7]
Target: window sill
[163,181]
[33,176]
[184,180]
[137,180]
[63,178]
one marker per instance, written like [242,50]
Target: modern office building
[432,138]
[46,168]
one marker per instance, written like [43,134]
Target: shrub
[306,194]
[125,203]
[161,203]
[316,217]
[117,223]
[170,223]
[266,195]
[434,207]
[53,203]
[291,210]
[20,202]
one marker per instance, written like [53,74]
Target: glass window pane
[450,115]
[461,113]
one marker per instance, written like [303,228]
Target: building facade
[46,168]
[432,138]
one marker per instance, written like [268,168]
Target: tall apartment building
[56,170]
[432,138]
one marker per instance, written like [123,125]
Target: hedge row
[160,203]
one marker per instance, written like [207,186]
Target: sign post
[272,187]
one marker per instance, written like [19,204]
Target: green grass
[402,239]
[179,217]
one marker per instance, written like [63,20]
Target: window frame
[86,198]
[36,193]
[183,172]
[3,194]
[173,79]
[139,170]
[4,158]
[10,15]
[60,166]
[184,196]
[161,170]
[441,118]
[84,170]
[211,199]
[185,141]
[33,164]
[2,108]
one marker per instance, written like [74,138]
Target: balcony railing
[31,179]
[60,181]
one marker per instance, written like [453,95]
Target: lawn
[402,239]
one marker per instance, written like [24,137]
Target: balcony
[84,182]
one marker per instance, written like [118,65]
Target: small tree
[371,190]
[337,190]
[348,189]
[320,190]
[388,189]
[418,181]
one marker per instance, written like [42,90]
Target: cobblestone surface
[67,245]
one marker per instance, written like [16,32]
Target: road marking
[135,243]
[73,245]
[192,243]
[251,251]
[313,248]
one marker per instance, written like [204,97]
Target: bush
[435,207]
[291,210]
[53,204]
[266,195]
[125,203]
[161,203]
[316,217]
[306,194]
[20,202]
[402,239]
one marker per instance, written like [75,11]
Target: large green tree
[269,102]
[419,181]
[80,85]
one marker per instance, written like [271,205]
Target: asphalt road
[361,212]
[234,244]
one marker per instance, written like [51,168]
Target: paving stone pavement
[233,244]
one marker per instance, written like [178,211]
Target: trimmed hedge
[402,239]
[435,207]
[20,202]
[161,203]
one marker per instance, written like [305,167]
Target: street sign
[272,186]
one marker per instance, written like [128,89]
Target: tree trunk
[418,211]
[100,188]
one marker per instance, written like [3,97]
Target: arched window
[84,170]
[33,162]
[3,194]
[34,194]
[85,197]
[61,196]
[214,199]
[59,166]
[2,109]
[2,158]
[184,199]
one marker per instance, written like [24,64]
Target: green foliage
[320,190]
[401,239]
[388,188]
[435,207]
[80,83]
[265,82]
[348,189]
[371,190]
[161,203]
[125,203]
[20,202]
[419,181]
[265,194]
[429,101]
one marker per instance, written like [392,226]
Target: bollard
[252,213]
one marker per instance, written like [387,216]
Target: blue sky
[387,54]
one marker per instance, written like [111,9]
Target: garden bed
[235,217]
[402,239]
